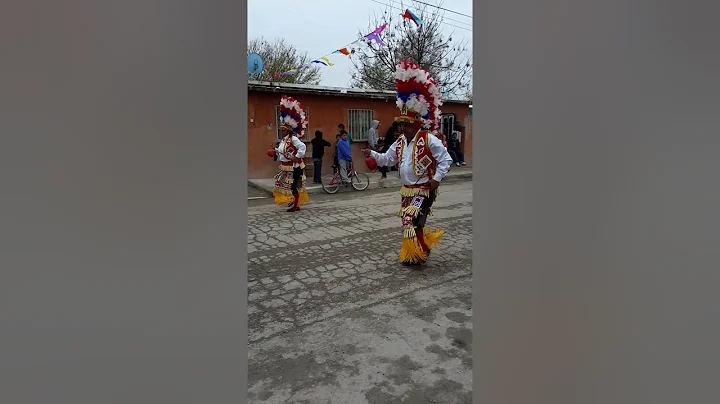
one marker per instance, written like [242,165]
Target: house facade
[326,108]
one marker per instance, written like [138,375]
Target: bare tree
[448,61]
[279,57]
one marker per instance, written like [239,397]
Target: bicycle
[333,185]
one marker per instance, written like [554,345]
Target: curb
[267,185]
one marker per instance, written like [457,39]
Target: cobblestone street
[334,318]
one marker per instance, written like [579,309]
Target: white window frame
[359,121]
[306,136]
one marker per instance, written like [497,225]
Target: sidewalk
[392,181]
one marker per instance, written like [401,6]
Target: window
[447,124]
[278,136]
[359,121]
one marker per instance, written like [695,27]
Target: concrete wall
[326,112]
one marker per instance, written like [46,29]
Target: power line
[444,18]
[442,8]
[442,22]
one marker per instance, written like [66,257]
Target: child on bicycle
[344,156]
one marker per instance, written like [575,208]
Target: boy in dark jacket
[318,151]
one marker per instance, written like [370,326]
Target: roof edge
[336,91]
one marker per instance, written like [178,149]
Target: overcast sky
[319,27]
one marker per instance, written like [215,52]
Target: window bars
[359,121]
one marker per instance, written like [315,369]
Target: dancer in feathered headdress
[290,179]
[424,161]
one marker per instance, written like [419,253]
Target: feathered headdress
[418,96]
[292,115]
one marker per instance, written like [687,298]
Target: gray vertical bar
[123,204]
[596,202]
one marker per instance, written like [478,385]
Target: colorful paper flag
[344,51]
[323,61]
[380,29]
[374,37]
[412,17]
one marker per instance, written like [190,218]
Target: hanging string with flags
[346,50]
[349,49]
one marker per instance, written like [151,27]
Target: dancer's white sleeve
[389,158]
[442,157]
[301,148]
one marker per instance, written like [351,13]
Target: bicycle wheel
[360,181]
[330,183]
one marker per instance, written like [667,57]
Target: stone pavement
[334,318]
[393,181]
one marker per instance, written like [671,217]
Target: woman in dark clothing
[453,148]
[388,140]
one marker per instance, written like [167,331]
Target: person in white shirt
[290,179]
[424,161]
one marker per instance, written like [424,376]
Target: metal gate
[447,124]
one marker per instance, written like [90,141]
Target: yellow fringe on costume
[411,252]
[405,191]
[290,168]
[410,192]
[283,197]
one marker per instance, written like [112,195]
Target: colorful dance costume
[290,179]
[421,159]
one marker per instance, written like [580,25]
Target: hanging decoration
[375,35]
[412,17]
[323,61]
[346,50]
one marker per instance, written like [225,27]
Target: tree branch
[449,65]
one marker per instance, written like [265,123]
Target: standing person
[336,161]
[424,161]
[344,156]
[388,141]
[454,150]
[396,134]
[373,134]
[290,179]
[318,144]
